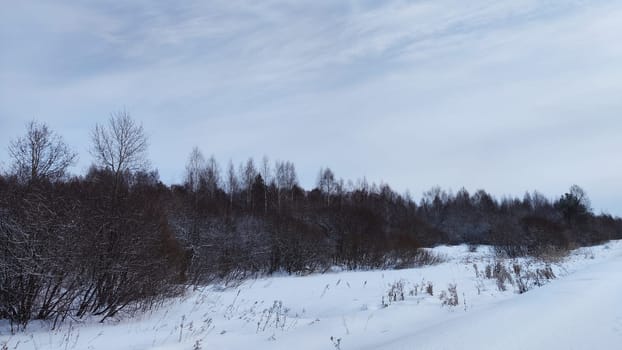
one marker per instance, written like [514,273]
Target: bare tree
[121,145]
[326,183]
[233,186]
[286,179]
[41,153]
[267,176]
[581,196]
[212,176]
[195,169]
[248,172]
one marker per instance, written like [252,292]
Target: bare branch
[121,145]
[40,154]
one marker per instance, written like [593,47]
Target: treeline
[118,240]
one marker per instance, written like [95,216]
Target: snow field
[365,310]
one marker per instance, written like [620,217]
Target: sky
[508,96]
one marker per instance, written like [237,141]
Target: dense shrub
[75,249]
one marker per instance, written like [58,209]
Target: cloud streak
[509,96]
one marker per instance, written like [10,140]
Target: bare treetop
[41,153]
[194,169]
[121,145]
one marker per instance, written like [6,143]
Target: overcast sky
[503,95]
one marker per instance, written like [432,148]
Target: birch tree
[120,146]
[40,154]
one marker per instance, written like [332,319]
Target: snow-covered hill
[579,309]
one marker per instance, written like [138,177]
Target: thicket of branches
[75,249]
[118,240]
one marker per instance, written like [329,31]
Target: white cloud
[509,96]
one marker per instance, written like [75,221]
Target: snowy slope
[579,310]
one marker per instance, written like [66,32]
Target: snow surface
[580,309]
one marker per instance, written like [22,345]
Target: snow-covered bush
[336,342]
[450,296]
[501,274]
[274,317]
[429,288]
[396,291]
[527,278]
[522,274]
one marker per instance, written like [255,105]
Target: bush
[527,278]
[76,249]
[395,293]
[450,296]
[429,288]
[500,274]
